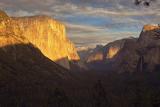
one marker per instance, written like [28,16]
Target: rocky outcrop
[130,55]
[3,15]
[16,49]
[146,49]
[149,35]
[95,57]
[20,57]
[150,27]
[26,76]
[112,52]
[105,52]
[102,56]
[46,34]
[86,53]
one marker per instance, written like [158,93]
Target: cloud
[83,28]
[90,21]
[20,13]
[102,39]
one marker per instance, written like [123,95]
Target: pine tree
[58,98]
[138,96]
[100,99]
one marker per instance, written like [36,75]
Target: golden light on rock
[112,52]
[95,57]
[150,27]
[45,33]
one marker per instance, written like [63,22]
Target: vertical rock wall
[49,36]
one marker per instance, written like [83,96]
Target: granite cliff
[144,52]
[46,34]
[131,54]
[101,57]
[106,52]
[26,75]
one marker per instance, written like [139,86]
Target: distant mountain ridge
[128,52]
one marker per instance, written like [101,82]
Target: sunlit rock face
[150,35]
[3,15]
[108,52]
[150,27]
[112,52]
[46,34]
[105,57]
[23,68]
[95,57]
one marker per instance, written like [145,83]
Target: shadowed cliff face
[26,75]
[20,55]
[124,55]
[147,47]
[46,34]
[105,52]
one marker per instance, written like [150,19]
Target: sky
[90,22]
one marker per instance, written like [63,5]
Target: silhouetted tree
[58,98]
[138,97]
[156,99]
[100,99]
[157,68]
